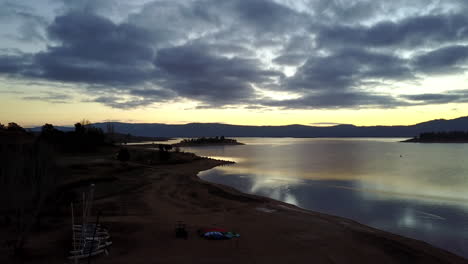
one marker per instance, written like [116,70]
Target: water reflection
[415,190]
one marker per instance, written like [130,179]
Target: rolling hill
[217,129]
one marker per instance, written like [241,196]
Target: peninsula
[440,137]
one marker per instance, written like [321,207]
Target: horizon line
[222,123]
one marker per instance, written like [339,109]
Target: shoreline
[435,141]
[142,220]
[394,248]
[206,144]
[273,205]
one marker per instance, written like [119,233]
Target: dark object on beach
[217,233]
[180,230]
[123,155]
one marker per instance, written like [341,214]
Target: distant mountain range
[217,129]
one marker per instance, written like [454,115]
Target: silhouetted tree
[15,127]
[52,135]
[164,153]
[443,136]
[2,127]
[209,140]
[127,138]
[47,128]
[85,137]
[79,128]
[110,131]
[85,122]
[167,147]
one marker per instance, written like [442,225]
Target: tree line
[446,136]
[85,137]
[208,140]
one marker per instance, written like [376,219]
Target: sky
[252,62]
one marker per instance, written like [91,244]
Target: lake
[415,190]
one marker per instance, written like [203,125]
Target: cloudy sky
[256,62]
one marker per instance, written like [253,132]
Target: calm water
[415,190]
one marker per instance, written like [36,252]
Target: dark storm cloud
[100,39]
[254,22]
[219,52]
[153,93]
[92,49]
[225,49]
[337,100]
[269,17]
[346,69]
[296,50]
[410,32]
[439,98]
[447,60]
[14,64]
[290,59]
[122,103]
[195,73]
[457,96]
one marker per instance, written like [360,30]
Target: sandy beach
[141,204]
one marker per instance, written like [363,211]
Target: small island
[440,137]
[207,141]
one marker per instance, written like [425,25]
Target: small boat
[89,239]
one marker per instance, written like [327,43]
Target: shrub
[123,155]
